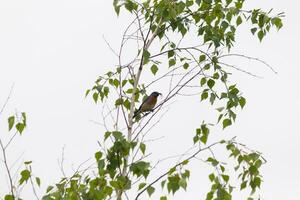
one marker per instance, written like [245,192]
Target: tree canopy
[186,44]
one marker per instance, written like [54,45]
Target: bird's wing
[144,102]
[138,110]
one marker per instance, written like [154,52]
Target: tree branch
[166,173]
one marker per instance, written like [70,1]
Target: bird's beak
[159,94]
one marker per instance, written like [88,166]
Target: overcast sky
[54,50]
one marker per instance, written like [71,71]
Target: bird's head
[156,94]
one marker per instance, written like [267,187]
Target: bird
[148,104]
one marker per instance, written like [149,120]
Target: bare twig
[250,58]
[32,185]
[7,99]
[7,168]
[4,147]
[109,46]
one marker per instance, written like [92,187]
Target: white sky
[53,51]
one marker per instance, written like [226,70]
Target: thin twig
[7,168]
[251,58]
[7,99]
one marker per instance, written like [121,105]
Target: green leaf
[150,190]
[242,102]
[119,102]
[225,177]
[173,184]
[213,161]
[204,96]
[182,183]
[116,82]
[260,35]
[277,22]
[127,104]
[11,122]
[27,162]
[106,135]
[226,122]
[186,174]
[154,69]
[239,21]
[257,181]
[212,98]
[170,53]
[98,155]
[140,168]
[253,30]
[9,197]
[261,20]
[116,6]
[87,92]
[173,169]
[216,75]
[172,62]
[124,82]
[212,177]
[206,67]
[142,185]
[95,97]
[258,163]
[163,198]
[185,65]
[116,184]
[210,83]
[25,175]
[185,162]
[209,196]
[189,3]
[49,188]
[101,165]
[253,170]
[163,184]
[129,91]
[243,185]
[20,127]
[38,181]
[129,5]
[228,2]
[146,56]
[182,30]
[196,139]
[143,148]
[202,58]
[222,168]
[204,137]
[24,118]
[203,81]
[208,1]
[117,135]
[106,91]
[220,109]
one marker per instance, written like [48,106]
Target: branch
[166,173]
[7,168]
[7,99]
[251,58]
[3,147]
[241,70]
[32,185]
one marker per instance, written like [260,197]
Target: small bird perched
[148,104]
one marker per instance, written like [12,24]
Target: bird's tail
[135,113]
